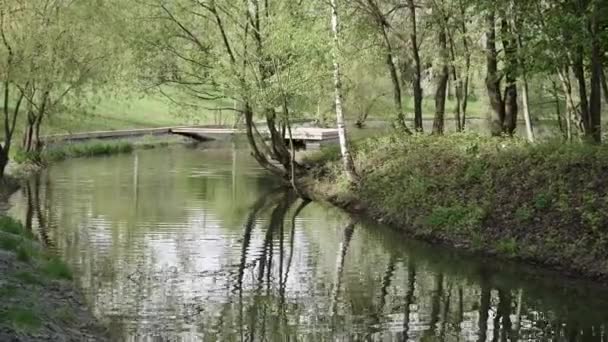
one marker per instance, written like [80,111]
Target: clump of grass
[57,269]
[28,278]
[507,247]
[10,225]
[23,254]
[9,243]
[64,314]
[74,150]
[455,217]
[524,214]
[21,318]
[7,291]
[89,149]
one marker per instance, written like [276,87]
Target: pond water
[198,244]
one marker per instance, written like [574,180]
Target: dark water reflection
[185,244]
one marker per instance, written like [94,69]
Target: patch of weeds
[28,278]
[10,225]
[57,269]
[21,318]
[89,149]
[455,217]
[507,247]
[542,201]
[475,171]
[23,254]
[8,291]
[65,315]
[477,242]
[592,218]
[9,243]
[524,214]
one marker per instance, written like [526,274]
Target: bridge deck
[305,134]
[299,133]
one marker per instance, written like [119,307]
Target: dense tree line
[282,60]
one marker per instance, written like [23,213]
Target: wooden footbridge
[310,137]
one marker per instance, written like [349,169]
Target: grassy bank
[37,299]
[544,203]
[91,148]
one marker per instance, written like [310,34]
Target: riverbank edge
[38,299]
[325,184]
[23,165]
[62,292]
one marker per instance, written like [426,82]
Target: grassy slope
[544,203]
[37,298]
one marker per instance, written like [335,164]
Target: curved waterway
[198,244]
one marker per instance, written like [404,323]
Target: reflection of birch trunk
[136,180]
[460,308]
[517,323]
[435,303]
[484,308]
[409,297]
[502,322]
[444,315]
[340,260]
[234,151]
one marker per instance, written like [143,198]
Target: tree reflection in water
[203,264]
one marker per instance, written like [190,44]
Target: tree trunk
[417,77]
[564,77]
[558,109]
[440,94]
[28,134]
[347,160]
[3,162]
[395,81]
[604,86]
[595,96]
[467,66]
[579,72]
[457,85]
[497,115]
[510,100]
[526,98]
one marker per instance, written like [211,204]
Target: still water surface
[197,244]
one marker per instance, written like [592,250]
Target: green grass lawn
[126,112]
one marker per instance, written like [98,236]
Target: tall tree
[347,160]
[417,72]
[442,69]
[492,78]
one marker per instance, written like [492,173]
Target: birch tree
[347,160]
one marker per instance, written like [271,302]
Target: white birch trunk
[526,100]
[347,160]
